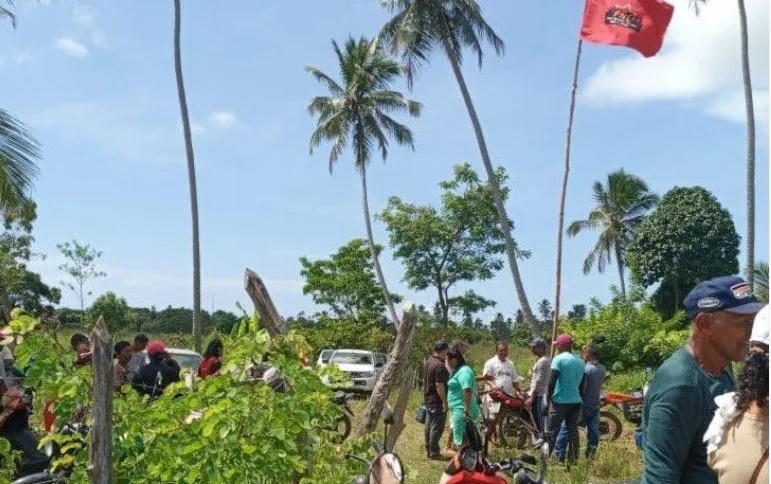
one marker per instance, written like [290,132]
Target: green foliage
[621,204]
[761,281]
[459,242]
[326,332]
[346,283]
[19,153]
[116,312]
[81,266]
[19,287]
[245,432]
[636,336]
[501,328]
[690,237]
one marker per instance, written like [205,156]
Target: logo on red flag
[638,24]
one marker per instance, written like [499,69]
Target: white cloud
[223,119]
[196,128]
[700,64]
[71,47]
[84,15]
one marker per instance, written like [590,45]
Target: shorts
[492,408]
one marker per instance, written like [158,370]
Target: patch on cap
[709,303]
[741,291]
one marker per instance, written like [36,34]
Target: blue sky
[95,83]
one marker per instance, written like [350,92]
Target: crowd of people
[700,425]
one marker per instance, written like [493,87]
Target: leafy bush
[246,432]
[636,336]
[327,332]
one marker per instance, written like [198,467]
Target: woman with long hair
[737,439]
[462,398]
[212,359]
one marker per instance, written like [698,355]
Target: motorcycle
[471,465]
[386,467]
[343,423]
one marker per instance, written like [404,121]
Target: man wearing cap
[567,375]
[155,376]
[679,404]
[539,382]
[759,339]
[435,397]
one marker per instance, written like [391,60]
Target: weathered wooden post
[100,467]
[391,374]
[272,321]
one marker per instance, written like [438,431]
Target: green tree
[20,287]
[346,282]
[622,204]
[189,154]
[357,111]
[546,311]
[749,109]
[460,242]
[81,266]
[577,312]
[761,281]
[501,327]
[19,152]
[468,304]
[116,312]
[420,28]
[690,237]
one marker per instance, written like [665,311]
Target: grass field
[615,461]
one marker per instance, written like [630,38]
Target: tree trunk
[391,373]
[563,195]
[271,320]
[511,252]
[750,109]
[100,452]
[400,407]
[191,177]
[620,264]
[373,249]
[443,306]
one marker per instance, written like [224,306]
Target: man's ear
[702,321]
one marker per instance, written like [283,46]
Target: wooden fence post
[100,467]
[258,293]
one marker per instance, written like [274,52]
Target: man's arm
[552,383]
[582,386]
[670,428]
[487,375]
[440,377]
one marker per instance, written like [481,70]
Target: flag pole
[561,223]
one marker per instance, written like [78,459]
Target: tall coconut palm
[190,175]
[749,108]
[358,111]
[621,205]
[761,281]
[19,153]
[417,29]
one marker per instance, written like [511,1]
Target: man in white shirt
[499,374]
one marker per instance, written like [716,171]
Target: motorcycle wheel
[610,426]
[514,431]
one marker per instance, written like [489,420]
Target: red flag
[638,24]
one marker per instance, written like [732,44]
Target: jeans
[591,419]
[434,428]
[568,414]
[539,413]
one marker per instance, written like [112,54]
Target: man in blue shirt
[564,395]
[679,404]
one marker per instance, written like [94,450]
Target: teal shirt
[463,379]
[571,370]
[679,406]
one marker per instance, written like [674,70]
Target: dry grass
[615,461]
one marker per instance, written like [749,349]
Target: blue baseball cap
[725,293]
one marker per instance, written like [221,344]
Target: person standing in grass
[462,398]
[435,398]
[591,388]
[679,404]
[539,382]
[567,374]
[500,375]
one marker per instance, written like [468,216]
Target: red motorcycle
[471,465]
[515,425]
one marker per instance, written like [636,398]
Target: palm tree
[621,205]
[761,281]
[19,152]
[416,30]
[191,177]
[749,108]
[358,111]
[8,12]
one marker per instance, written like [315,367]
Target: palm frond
[8,13]
[330,83]
[19,152]
[397,131]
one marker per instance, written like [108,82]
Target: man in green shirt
[679,404]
